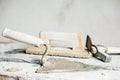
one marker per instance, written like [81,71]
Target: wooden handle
[113,50]
[109,50]
[21,37]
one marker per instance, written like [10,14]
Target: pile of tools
[62,44]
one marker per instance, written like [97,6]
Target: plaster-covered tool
[21,37]
[62,44]
[42,45]
[96,52]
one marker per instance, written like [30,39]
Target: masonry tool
[42,44]
[95,51]
[62,44]
[21,37]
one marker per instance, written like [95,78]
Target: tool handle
[103,56]
[21,37]
[109,50]
[113,50]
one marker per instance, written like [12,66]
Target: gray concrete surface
[108,71]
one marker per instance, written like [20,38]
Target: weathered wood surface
[75,39]
[6,77]
[21,37]
[63,52]
[77,48]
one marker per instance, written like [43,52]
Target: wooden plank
[6,77]
[77,49]
[109,50]
[113,50]
[75,38]
[58,36]
[59,52]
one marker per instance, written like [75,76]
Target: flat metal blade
[89,43]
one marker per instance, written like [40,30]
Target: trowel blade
[64,65]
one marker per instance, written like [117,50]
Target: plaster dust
[51,65]
[87,67]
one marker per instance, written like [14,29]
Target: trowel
[50,64]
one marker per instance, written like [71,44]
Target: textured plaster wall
[98,18]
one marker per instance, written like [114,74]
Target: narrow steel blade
[89,43]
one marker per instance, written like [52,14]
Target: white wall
[98,18]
